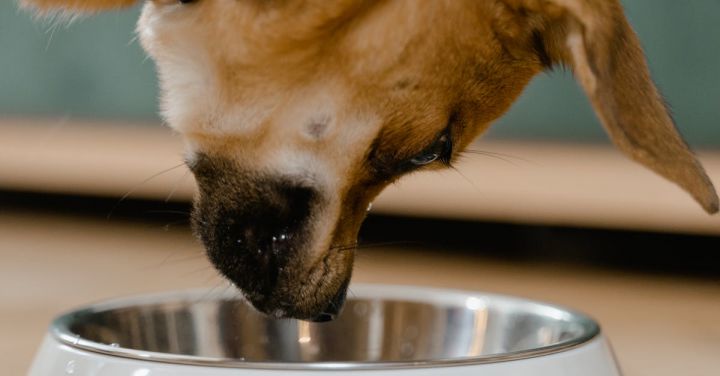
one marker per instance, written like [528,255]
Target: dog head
[298,113]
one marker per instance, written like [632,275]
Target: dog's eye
[441,149]
[186,1]
[386,166]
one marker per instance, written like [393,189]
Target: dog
[297,113]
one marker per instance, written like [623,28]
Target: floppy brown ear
[594,38]
[75,6]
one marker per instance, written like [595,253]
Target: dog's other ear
[75,6]
[594,38]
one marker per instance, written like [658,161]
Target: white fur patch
[583,71]
[188,87]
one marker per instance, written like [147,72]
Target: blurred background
[94,200]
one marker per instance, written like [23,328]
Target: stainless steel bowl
[381,328]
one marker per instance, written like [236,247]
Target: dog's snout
[261,232]
[258,232]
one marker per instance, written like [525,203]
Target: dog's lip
[323,317]
[287,306]
[335,305]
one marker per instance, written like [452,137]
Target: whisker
[340,248]
[207,293]
[347,247]
[510,156]
[167,260]
[472,183]
[52,34]
[219,279]
[169,225]
[133,39]
[500,156]
[203,269]
[180,212]
[385,244]
[177,185]
[480,153]
[135,188]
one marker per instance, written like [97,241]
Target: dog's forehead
[314,84]
[251,45]
[228,68]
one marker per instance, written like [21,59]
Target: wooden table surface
[658,325]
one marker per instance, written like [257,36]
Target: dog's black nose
[264,233]
[252,232]
[262,224]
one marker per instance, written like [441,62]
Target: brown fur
[416,69]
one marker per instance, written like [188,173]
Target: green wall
[91,68]
[94,69]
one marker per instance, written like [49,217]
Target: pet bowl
[383,330]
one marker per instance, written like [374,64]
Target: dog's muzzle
[257,233]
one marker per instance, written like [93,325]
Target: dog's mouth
[286,290]
[318,302]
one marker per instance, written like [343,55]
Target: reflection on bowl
[383,329]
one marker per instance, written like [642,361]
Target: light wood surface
[658,326]
[536,183]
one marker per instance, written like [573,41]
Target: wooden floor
[50,263]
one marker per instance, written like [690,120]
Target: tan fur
[607,59]
[335,95]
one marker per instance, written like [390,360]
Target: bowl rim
[60,329]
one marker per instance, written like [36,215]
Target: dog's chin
[316,294]
[310,303]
